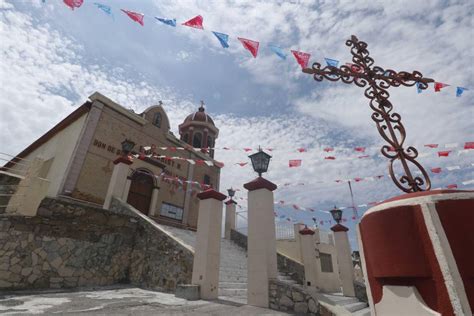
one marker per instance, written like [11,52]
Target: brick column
[344,259]
[118,181]
[229,217]
[262,258]
[208,243]
[154,201]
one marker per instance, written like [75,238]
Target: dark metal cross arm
[376,81]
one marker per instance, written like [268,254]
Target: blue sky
[53,58]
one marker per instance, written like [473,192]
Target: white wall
[59,149]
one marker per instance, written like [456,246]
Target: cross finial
[201,108]
[160,102]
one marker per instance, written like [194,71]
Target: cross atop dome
[201,108]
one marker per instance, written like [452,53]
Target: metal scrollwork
[376,80]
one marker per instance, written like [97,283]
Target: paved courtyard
[117,301]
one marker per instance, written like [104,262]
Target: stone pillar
[262,258]
[344,259]
[229,217]
[208,243]
[308,255]
[118,181]
[416,237]
[154,201]
[31,191]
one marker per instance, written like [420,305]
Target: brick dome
[199,116]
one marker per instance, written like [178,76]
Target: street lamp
[231,192]
[260,161]
[127,146]
[336,214]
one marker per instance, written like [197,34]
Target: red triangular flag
[469,145]
[251,46]
[436,170]
[452,186]
[358,179]
[432,145]
[135,16]
[302,150]
[360,149]
[328,149]
[296,207]
[301,58]
[247,149]
[330,158]
[195,22]
[73,3]
[242,163]
[294,163]
[439,85]
[444,153]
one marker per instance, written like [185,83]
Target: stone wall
[285,264]
[67,245]
[361,291]
[158,261]
[294,298]
[71,244]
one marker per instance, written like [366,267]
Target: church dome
[199,116]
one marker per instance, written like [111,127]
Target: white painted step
[353,307]
[362,312]
[232,285]
[233,292]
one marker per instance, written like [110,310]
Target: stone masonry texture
[71,244]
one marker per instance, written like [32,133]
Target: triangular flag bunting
[135,16]
[469,145]
[301,58]
[436,170]
[278,51]
[294,163]
[443,153]
[439,85]
[195,22]
[360,149]
[432,145]
[170,22]
[418,87]
[73,3]
[460,90]
[332,62]
[103,7]
[223,39]
[251,46]
[452,186]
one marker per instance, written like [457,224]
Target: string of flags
[252,46]
[357,149]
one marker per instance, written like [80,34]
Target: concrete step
[232,285]
[233,278]
[232,271]
[233,292]
[355,306]
[362,312]
[236,299]
[341,300]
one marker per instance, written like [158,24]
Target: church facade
[80,150]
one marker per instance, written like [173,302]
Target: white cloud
[44,74]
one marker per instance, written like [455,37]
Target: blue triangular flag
[107,10]
[332,62]
[459,91]
[277,50]
[223,38]
[418,87]
[170,22]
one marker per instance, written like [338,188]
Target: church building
[79,151]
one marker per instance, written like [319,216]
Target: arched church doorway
[141,190]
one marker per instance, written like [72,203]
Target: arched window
[210,144]
[157,120]
[197,140]
[185,137]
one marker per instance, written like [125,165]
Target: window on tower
[157,120]
[210,144]
[197,140]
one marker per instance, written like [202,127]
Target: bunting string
[252,46]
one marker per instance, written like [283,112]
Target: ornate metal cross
[363,73]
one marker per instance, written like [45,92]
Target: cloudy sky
[53,58]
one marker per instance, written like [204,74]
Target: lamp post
[260,161]
[127,147]
[336,214]
[231,192]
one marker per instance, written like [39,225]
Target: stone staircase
[233,273]
[351,304]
